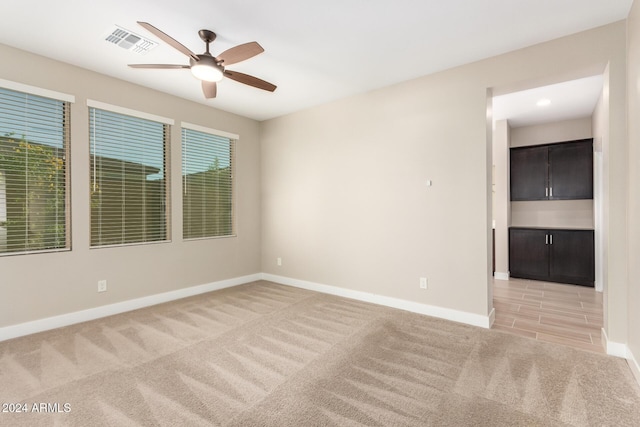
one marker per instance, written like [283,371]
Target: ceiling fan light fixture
[544,102]
[207,72]
[207,69]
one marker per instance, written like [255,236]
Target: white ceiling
[315,51]
[568,100]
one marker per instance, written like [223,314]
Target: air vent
[129,40]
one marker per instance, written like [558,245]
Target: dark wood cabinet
[529,173]
[571,170]
[560,171]
[565,256]
[528,253]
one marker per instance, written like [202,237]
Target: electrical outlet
[102,286]
[423,283]
[279,261]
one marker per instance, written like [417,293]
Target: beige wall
[501,204]
[600,138]
[344,195]
[614,199]
[548,133]
[42,285]
[634,179]
[553,213]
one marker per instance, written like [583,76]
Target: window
[34,179]
[207,182]
[129,189]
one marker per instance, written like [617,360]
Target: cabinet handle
[551,239]
[550,191]
[546,191]
[546,239]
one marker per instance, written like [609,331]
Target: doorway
[559,112]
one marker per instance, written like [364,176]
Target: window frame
[233,140]
[65,102]
[168,127]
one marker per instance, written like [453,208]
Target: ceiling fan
[208,68]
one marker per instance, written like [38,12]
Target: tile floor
[551,312]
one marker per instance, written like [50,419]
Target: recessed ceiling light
[543,102]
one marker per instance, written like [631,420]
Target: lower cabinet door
[528,253]
[571,256]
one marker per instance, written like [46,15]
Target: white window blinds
[34,181]
[129,190]
[207,184]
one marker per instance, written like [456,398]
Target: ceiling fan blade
[163,66]
[169,40]
[240,53]
[250,80]
[210,89]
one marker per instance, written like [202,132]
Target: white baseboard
[614,348]
[621,350]
[499,275]
[414,307]
[633,364]
[27,328]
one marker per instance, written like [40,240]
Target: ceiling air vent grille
[129,40]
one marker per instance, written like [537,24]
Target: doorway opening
[554,113]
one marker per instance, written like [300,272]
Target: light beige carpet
[269,355]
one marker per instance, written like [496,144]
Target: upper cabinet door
[571,170]
[529,173]
[560,171]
